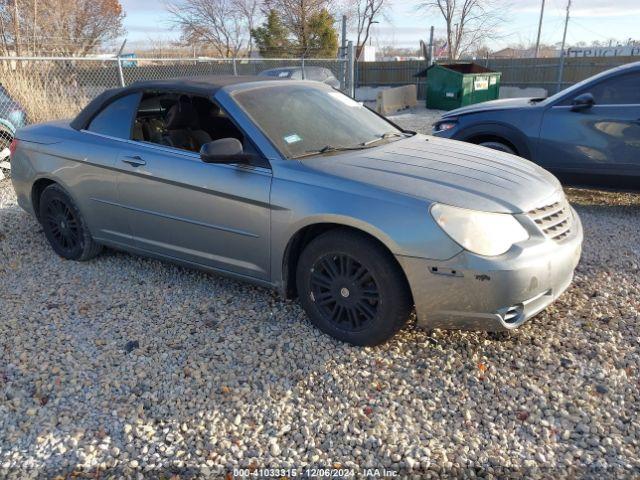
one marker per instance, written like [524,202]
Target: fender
[500,130]
[279,256]
[52,179]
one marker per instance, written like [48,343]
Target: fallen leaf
[367,410]
[226,390]
[482,367]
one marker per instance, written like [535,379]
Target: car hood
[502,104]
[447,171]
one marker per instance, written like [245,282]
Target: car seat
[183,127]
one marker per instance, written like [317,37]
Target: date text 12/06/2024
[313,473]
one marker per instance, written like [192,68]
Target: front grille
[554,220]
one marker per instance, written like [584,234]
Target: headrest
[215,111]
[182,115]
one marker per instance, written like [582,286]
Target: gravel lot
[418,119]
[134,365]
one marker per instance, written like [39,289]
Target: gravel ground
[136,366]
[418,119]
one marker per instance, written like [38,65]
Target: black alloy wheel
[344,291]
[352,287]
[64,225]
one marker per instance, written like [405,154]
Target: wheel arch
[304,235]
[36,192]
[497,132]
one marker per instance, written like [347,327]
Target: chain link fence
[516,72]
[40,89]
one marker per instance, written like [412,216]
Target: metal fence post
[302,65]
[351,85]
[343,55]
[564,40]
[119,59]
[235,67]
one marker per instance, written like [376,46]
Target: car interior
[184,121]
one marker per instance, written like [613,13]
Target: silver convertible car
[293,185]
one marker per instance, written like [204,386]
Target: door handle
[134,161]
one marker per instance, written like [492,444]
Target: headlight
[483,233]
[442,126]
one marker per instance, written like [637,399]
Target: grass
[44,95]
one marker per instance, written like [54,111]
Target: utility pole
[431,49]
[539,31]
[564,40]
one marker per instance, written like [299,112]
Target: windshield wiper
[363,145]
[384,136]
[328,149]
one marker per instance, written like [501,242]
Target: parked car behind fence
[12,117]
[317,74]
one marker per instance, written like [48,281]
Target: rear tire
[498,146]
[64,225]
[352,288]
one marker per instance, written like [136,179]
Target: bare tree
[469,22]
[250,11]
[65,27]
[219,23]
[366,13]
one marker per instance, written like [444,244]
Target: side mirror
[224,150]
[582,102]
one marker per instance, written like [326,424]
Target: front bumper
[471,292]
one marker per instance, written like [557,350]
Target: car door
[96,148]
[211,215]
[603,139]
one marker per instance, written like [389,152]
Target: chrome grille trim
[554,220]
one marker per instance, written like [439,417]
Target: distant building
[368,54]
[402,58]
[544,52]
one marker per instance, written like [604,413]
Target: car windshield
[304,120]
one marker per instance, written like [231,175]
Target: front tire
[64,225]
[498,146]
[352,288]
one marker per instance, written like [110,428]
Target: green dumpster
[455,85]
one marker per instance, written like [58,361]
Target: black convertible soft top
[203,85]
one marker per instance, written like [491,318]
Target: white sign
[481,83]
[622,51]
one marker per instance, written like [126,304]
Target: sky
[406,25]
